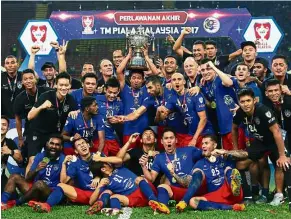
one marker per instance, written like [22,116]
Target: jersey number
[48,170]
[215,172]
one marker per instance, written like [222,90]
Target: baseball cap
[48,65]
[264,62]
[248,43]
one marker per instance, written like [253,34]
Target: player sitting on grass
[222,181]
[77,169]
[181,160]
[44,172]
[119,186]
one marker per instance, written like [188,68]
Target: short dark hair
[197,42]
[87,101]
[246,92]
[149,129]
[48,65]
[6,118]
[88,63]
[75,140]
[27,71]
[204,61]
[112,82]
[89,75]
[171,56]
[279,56]
[212,137]
[168,129]
[242,63]
[154,79]
[95,168]
[64,75]
[58,136]
[136,72]
[271,82]
[210,42]
[11,57]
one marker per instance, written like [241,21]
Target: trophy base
[137,67]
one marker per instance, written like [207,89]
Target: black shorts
[35,143]
[258,149]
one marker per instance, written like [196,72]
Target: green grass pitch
[74,212]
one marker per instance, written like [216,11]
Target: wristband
[71,139]
[12,153]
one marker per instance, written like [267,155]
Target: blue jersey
[78,96]
[189,106]
[51,173]
[217,92]
[174,119]
[108,109]
[253,85]
[184,160]
[88,130]
[214,172]
[122,181]
[80,173]
[132,100]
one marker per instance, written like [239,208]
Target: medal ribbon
[12,89]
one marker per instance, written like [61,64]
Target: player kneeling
[222,181]
[119,186]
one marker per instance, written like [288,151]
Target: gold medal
[212,159]
[174,180]
[213,105]
[170,166]
[150,153]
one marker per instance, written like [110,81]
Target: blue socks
[193,186]
[163,195]
[205,205]
[115,203]
[105,198]
[5,196]
[55,197]
[147,190]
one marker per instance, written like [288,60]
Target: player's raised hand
[54,44]
[34,49]
[187,30]
[133,137]
[170,38]
[63,48]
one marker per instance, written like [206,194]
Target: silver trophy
[136,42]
